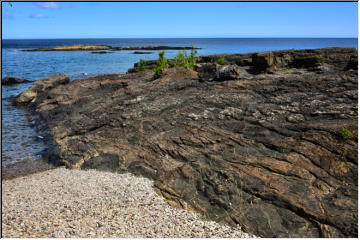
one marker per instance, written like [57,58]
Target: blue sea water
[19,139]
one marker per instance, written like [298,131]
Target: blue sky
[117,20]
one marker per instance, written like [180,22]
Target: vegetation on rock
[220,60]
[183,60]
[347,134]
[142,65]
[161,65]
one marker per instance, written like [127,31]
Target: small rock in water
[13,80]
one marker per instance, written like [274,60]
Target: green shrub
[161,65]
[220,60]
[192,58]
[347,134]
[141,65]
[157,72]
[183,60]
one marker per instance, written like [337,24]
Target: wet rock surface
[25,168]
[260,146]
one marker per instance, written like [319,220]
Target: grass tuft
[347,134]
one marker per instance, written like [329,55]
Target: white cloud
[38,15]
[48,4]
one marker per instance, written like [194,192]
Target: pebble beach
[67,203]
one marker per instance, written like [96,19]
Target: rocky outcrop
[101,52]
[39,87]
[216,72]
[265,151]
[310,59]
[140,52]
[13,80]
[102,47]
[70,48]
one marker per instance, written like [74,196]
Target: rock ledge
[253,142]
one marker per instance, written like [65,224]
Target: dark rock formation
[101,52]
[311,59]
[213,71]
[139,52]
[251,148]
[12,80]
[101,47]
[153,48]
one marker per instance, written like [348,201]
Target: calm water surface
[19,139]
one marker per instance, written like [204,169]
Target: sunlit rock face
[258,141]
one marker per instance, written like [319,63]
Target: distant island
[104,47]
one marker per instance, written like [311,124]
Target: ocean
[20,142]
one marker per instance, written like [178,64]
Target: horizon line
[175,37]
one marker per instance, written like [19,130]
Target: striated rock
[264,151]
[269,62]
[13,80]
[39,87]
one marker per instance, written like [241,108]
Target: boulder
[270,61]
[13,80]
[228,72]
[207,71]
[216,72]
[25,97]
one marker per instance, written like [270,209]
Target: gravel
[77,203]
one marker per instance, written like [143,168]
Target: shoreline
[25,168]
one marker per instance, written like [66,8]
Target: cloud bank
[38,15]
[48,4]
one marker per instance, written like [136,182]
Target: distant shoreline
[105,47]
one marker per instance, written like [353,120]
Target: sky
[35,20]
